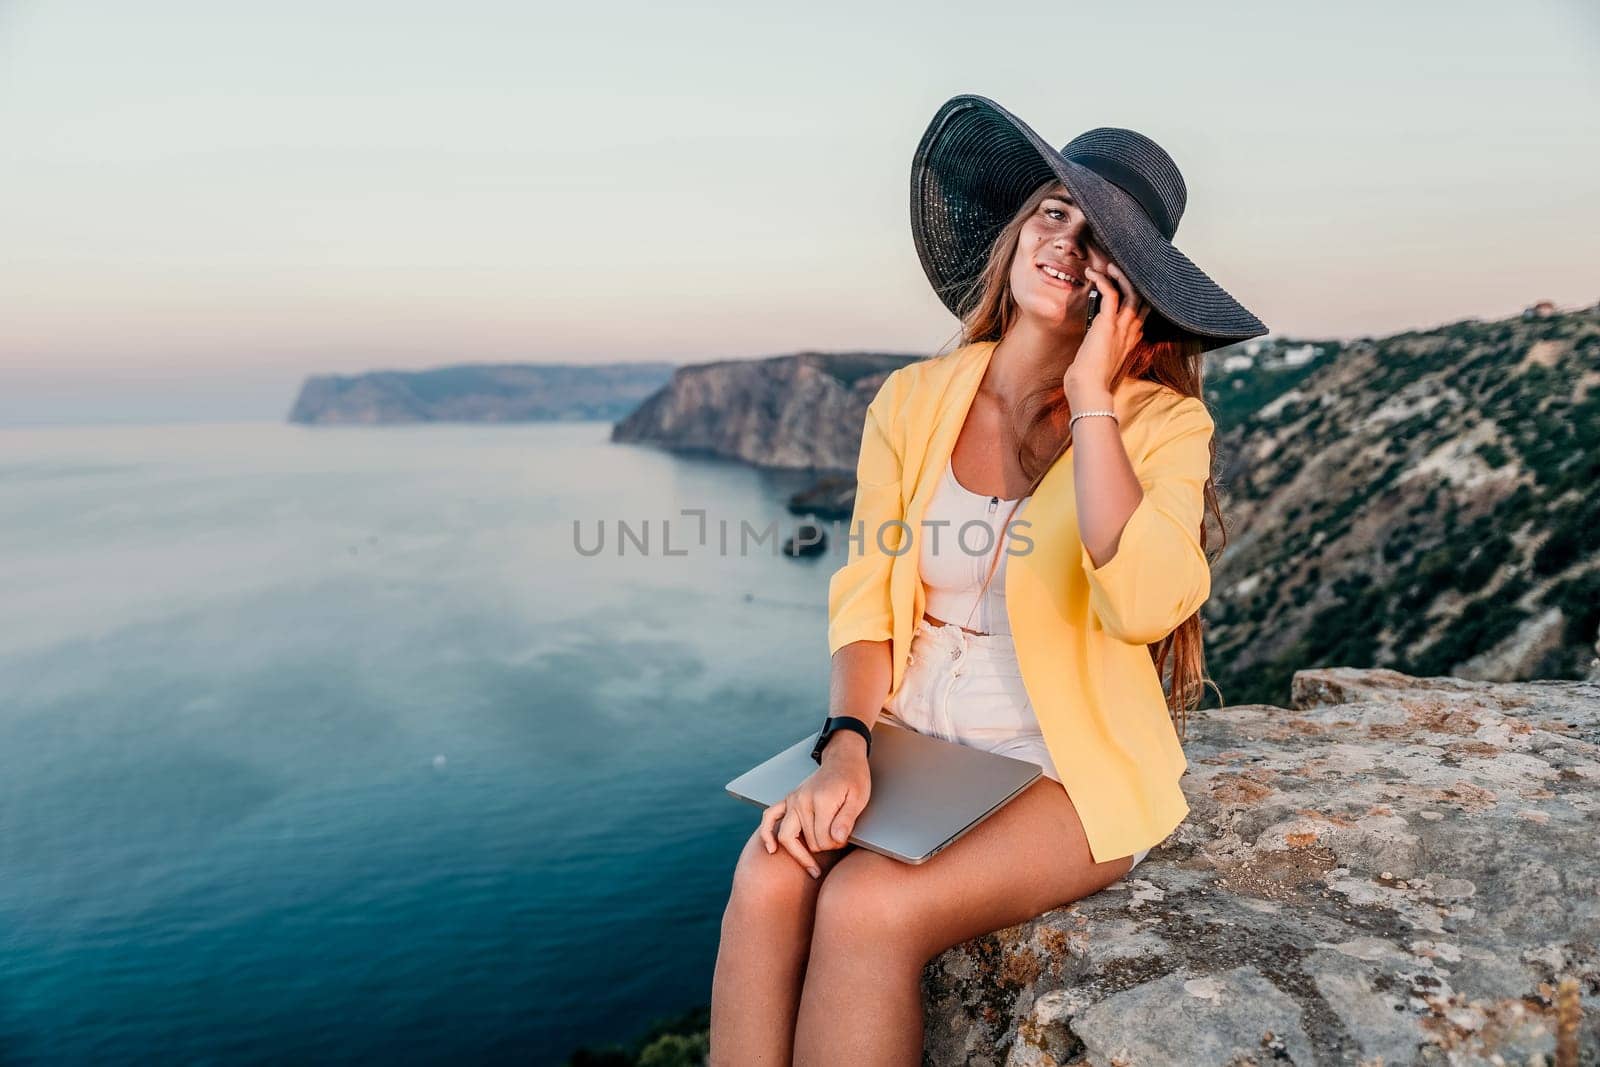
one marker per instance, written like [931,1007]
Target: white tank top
[955,557]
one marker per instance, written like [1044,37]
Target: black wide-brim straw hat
[976,165]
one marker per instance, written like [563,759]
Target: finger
[844,823]
[822,818]
[807,818]
[1125,290]
[769,819]
[789,838]
[1110,295]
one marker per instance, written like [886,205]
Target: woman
[1091,604]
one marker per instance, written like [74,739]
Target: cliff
[802,411]
[511,392]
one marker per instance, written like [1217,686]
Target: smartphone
[1094,306]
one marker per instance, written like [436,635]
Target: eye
[1053,211]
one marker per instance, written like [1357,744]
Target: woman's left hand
[1112,336]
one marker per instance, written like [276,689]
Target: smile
[1057,278]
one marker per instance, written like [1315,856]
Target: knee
[767,887]
[858,907]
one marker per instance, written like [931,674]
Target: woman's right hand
[823,808]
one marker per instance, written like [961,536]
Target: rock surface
[1396,870]
[803,411]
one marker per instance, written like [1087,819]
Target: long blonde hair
[1165,355]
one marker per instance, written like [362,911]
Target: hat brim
[975,166]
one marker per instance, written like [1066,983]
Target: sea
[379,744]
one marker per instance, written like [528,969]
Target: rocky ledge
[1395,870]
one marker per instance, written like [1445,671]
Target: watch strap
[834,723]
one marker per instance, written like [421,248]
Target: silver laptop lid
[926,792]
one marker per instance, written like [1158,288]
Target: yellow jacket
[1080,631]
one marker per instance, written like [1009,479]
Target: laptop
[926,792]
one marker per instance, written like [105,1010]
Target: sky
[202,203]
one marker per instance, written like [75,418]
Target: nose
[1072,236]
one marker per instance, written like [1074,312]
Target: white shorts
[967,688]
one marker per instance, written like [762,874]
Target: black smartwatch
[834,723]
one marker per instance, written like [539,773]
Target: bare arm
[820,813]
[1105,485]
[1146,569]
[862,673]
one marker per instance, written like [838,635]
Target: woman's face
[1056,235]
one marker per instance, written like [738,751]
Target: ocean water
[328,745]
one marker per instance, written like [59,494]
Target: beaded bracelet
[1086,414]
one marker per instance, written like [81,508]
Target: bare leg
[761,960]
[879,921]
